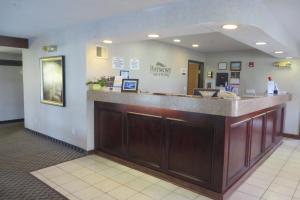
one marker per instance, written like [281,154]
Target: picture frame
[235,66]
[130,85]
[124,74]
[222,66]
[52,71]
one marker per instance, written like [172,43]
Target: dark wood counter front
[208,152]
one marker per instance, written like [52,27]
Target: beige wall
[148,52]
[256,78]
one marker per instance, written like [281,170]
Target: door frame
[200,76]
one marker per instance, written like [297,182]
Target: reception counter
[206,144]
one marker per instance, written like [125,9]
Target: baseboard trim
[292,136]
[71,146]
[11,121]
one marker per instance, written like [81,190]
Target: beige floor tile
[140,196]
[122,193]
[156,192]
[263,176]
[167,185]
[93,178]
[110,172]
[71,197]
[242,196]
[63,179]
[61,190]
[123,178]
[38,175]
[104,197]
[269,195]
[203,198]
[98,167]
[136,173]
[150,178]
[88,193]
[75,186]
[264,184]
[69,166]
[288,175]
[187,193]
[107,185]
[286,182]
[268,170]
[297,194]
[138,184]
[82,172]
[251,190]
[281,189]
[111,163]
[85,161]
[51,172]
[175,196]
[123,168]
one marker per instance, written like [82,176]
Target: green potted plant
[97,84]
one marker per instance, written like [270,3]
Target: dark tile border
[71,146]
[292,136]
[11,121]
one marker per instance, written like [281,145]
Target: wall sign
[160,69]
[117,63]
[251,64]
[134,64]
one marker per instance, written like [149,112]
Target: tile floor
[93,177]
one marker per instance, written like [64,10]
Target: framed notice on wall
[222,66]
[235,66]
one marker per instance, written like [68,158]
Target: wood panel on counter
[209,151]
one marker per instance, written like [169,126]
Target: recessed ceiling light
[195,45]
[260,43]
[153,35]
[107,41]
[177,40]
[289,57]
[230,26]
[278,52]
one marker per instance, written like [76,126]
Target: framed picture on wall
[222,66]
[53,80]
[124,74]
[130,85]
[236,66]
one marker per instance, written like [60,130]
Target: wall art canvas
[53,80]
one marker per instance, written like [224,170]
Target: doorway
[195,76]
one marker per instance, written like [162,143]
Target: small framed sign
[124,74]
[222,66]
[130,85]
[236,66]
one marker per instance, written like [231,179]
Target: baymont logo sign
[160,69]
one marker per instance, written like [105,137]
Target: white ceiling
[209,42]
[275,21]
[29,18]
[287,12]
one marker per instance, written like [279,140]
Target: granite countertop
[205,105]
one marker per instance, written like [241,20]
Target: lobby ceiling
[273,21]
[208,42]
[29,18]
[287,13]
